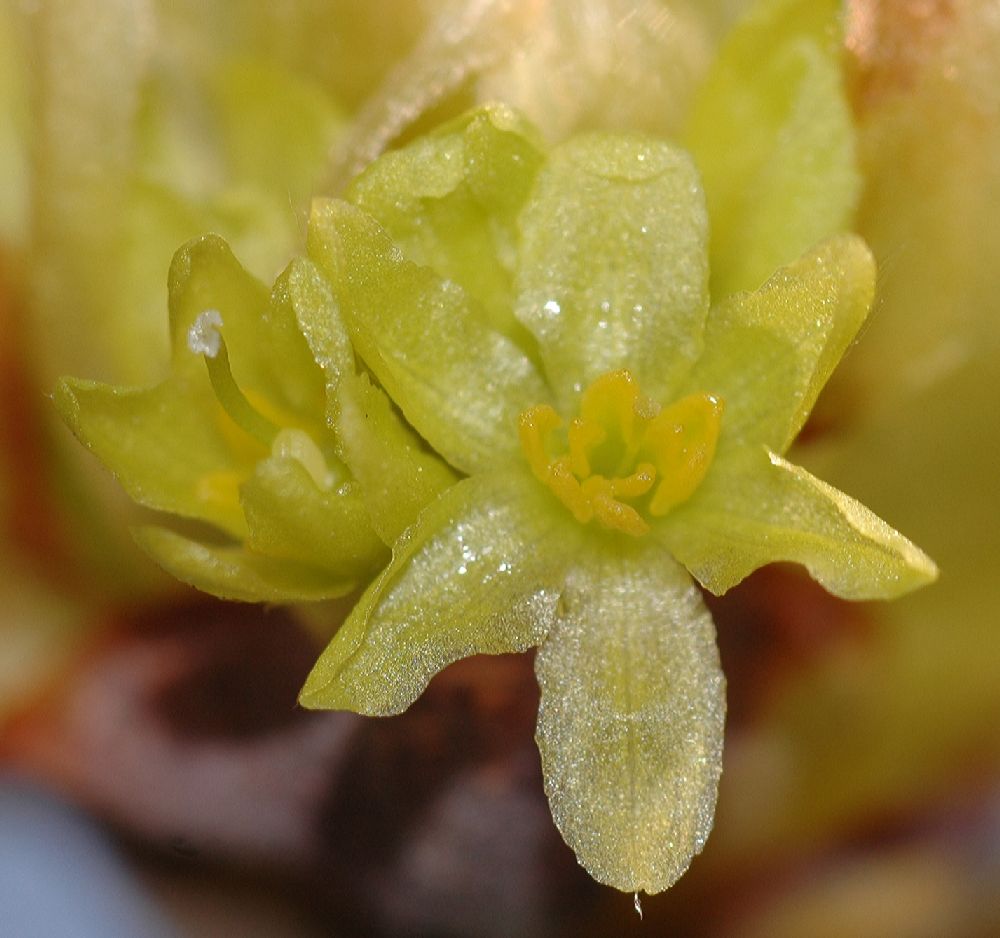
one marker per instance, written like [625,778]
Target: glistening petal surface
[461,384]
[760,509]
[631,716]
[398,476]
[478,573]
[450,201]
[613,269]
[769,353]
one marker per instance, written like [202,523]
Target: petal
[271,357]
[459,383]
[204,274]
[294,368]
[759,509]
[164,445]
[398,476]
[311,298]
[450,201]
[233,572]
[631,717]
[477,574]
[292,517]
[772,135]
[613,267]
[769,353]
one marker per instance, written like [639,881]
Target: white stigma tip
[204,337]
[638,906]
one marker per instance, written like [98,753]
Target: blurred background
[156,775]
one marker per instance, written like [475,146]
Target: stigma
[624,458]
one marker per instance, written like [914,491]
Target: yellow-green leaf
[319,523]
[166,446]
[450,200]
[769,353]
[397,475]
[318,317]
[204,274]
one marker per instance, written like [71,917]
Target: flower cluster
[502,361]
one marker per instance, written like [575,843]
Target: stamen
[639,483]
[567,487]
[534,427]
[611,400]
[204,338]
[583,437]
[611,512]
[617,427]
[683,438]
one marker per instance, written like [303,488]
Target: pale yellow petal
[631,716]
[478,573]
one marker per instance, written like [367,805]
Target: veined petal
[461,384]
[293,516]
[631,717]
[613,267]
[397,475]
[233,572]
[478,573]
[772,134]
[769,353]
[450,201]
[760,509]
[164,445]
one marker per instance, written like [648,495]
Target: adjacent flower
[242,448]
[618,436]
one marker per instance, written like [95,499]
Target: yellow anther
[682,439]
[534,427]
[639,483]
[566,485]
[583,435]
[623,447]
[610,402]
[619,516]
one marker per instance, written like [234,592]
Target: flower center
[624,455]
